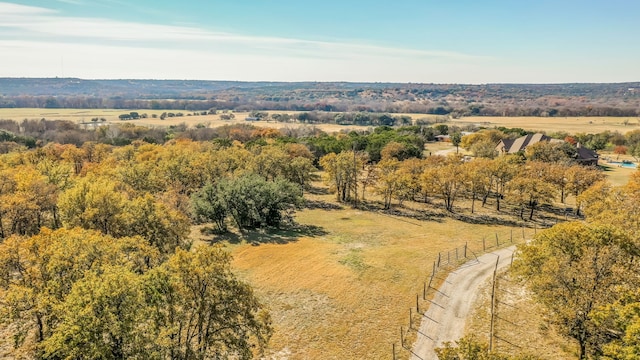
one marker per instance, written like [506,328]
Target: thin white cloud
[72,2]
[36,22]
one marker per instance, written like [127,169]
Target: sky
[406,41]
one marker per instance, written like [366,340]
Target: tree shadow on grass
[319,204]
[270,235]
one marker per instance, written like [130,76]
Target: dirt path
[446,317]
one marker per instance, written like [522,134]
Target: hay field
[548,124]
[341,288]
[571,125]
[111,117]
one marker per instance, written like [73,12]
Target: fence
[442,265]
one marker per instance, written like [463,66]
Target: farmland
[570,125]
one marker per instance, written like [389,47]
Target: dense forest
[620,99]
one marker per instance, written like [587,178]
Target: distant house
[586,156]
[583,155]
[509,146]
[252,118]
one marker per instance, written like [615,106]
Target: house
[509,146]
[586,156]
[252,118]
[583,155]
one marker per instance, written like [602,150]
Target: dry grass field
[342,285]
[571,125]
[548,124]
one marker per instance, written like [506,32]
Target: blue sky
[445,41]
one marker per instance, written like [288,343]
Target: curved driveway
[446,317]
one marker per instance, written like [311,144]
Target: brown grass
[572,125]
[521,325]
[342,287]
[549,124]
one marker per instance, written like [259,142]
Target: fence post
[493,306]
[410,318]
[401,336]
[512,236]
[456,254]
[497,242]
[424,289]
[434,269]
[484,247]
[465,250]
[439,254]
[394,351]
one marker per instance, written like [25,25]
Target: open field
[571,125]
[548,124]
[341,286]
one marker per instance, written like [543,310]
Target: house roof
[522,142]
[584,153]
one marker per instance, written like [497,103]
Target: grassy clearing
[341,286]
[520,326]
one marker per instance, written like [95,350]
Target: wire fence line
[443,264]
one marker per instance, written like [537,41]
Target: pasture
[571,125]
[341,286]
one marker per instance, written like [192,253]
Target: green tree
[249,200]
[208,206]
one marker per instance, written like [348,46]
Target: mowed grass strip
[345,293]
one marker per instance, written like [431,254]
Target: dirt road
[445,319]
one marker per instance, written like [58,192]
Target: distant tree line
[454,101]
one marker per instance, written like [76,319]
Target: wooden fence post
[434,269]
[493,306]
[410,318]
[512,236]
[465,250]
[439,254]
[424,290]
[497,242]
[484,247]
[401,336]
